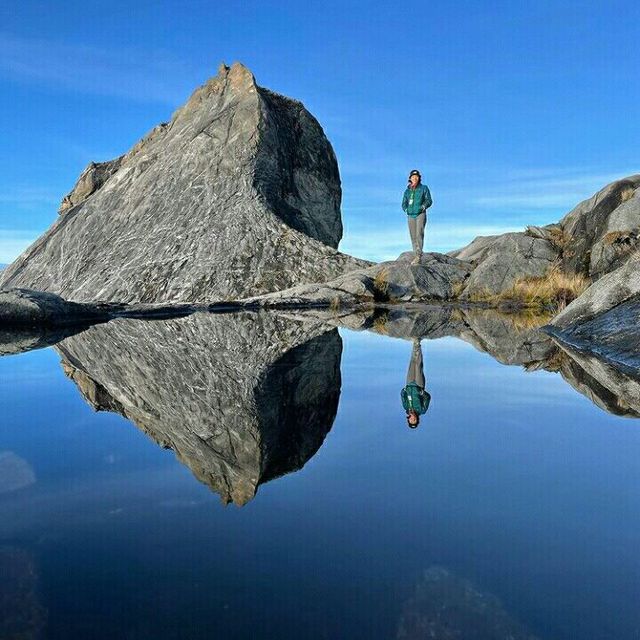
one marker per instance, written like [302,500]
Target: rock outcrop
[605,319]
[596,237]
[28,308]
[238,194]
[438,277]
[240,398]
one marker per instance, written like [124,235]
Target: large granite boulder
[605,319]
[238,194]
[601,232]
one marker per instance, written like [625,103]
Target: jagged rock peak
[238,194]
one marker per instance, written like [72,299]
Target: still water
[254,476]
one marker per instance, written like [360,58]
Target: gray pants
[416,230]
[416,370]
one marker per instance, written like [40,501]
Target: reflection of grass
[527,318]
[380,323]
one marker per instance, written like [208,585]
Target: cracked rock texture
[238,194]
[240,398]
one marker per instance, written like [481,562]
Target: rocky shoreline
[235,204]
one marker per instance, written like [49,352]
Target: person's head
[413,419]
[414,178]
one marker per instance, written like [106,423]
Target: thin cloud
[545,191]
[130,73]
[27,196]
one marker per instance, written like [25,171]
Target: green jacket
[415,397]
[416,201]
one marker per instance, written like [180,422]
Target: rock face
[605,319]
[238,194]
[506,258]
[240,398]
[601,232]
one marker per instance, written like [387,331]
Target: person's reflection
[415,399]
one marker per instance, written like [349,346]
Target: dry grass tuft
[613,236]
[381,284]
[552,291]
[335,304]
[458,288]
[626,194]
[559,238]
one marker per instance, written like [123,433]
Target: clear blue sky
[513,111]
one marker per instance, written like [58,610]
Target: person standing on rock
[415,202]
[415,398]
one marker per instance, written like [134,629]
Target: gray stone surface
[240,398]
[507,258]
[238,194]
[603,295]
[615,208]
[596,237]
[437,277]
[28,308]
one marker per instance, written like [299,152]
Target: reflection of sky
[513,480]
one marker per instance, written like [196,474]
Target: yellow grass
[554,290]
[381,283]
[626,194]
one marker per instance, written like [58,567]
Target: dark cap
[415,172]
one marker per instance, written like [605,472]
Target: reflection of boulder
[510,339]
[15,472]
[22,617]
[240,398]
[14,341]
[446,607]
[612,388]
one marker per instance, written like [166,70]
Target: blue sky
[513,111]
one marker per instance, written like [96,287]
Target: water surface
[253,476]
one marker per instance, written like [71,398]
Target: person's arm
[405,201]
[403,396]
[426,199]
[425,399]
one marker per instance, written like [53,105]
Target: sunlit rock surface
[237,194]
